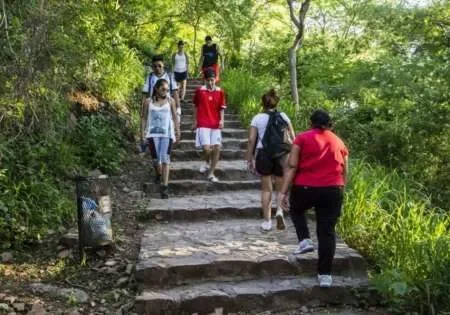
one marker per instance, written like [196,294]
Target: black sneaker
[157,179]
[164,192]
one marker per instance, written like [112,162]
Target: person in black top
[209,57]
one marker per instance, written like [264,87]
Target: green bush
[389,220]
[32,199]
[100,142]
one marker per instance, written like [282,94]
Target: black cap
[210,73]
[207,38]
[180,43]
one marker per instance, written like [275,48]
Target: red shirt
[209,103]
[321,160]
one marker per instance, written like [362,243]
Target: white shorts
[208,136]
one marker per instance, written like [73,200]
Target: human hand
[284,201]
[221,123]
[194,126]
[251,166]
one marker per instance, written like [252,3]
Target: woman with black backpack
[270,135]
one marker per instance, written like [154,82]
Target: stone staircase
[203,252]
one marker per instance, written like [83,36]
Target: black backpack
[273,140]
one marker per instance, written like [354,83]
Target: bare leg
[266,196]
[165,174]
[207,154]
[183,89]
[278,184]
[214,159]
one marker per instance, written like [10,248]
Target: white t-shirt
[260,123]
[148,86]
[180,63]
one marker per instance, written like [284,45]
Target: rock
[37,309]
[95,173]
[129,269]
[12,313]
[7,257]
[10,299]
[78,295]
[74,312]
[20,307]
[135,194]
[2,296]
[126,189]
[4,307]
[111,263]
[122,281]
[304,309]
[70,239]
[66,253]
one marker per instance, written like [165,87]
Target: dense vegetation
[69,92]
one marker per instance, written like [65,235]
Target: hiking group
[312,165]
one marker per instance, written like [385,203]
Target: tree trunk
[300,26]
[293,76]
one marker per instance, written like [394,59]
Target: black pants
[327,202]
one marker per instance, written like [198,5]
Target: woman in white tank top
[180,61]
[161,129]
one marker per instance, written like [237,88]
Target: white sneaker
[213,179]
[304,246]
[204,168]
[325,281]
[281,225]
[266,225]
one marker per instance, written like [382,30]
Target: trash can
[94,212]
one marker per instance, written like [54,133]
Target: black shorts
[180,76]
[265,165]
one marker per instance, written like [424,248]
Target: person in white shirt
[180,62]
[158,72]
[160,128]
[261,159]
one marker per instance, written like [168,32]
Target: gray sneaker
[305,246]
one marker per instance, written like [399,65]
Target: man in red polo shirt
[209,107]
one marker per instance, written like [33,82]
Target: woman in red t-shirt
[317,167]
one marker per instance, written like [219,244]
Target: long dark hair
[157,85]
[270,99]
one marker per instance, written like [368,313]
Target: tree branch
[5,21]
[291,13]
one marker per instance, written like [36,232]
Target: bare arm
[144,114]
[219,53]
[252,135]
[291,133]
[176,120]
[291,168]
[346,169]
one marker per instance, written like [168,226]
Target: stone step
[225,170]
[194,154]
[227,144]
[221,205]
[233,124]
[232,249]
[250,297]
[195,187]
[226,133]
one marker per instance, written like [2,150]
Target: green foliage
[32,200]
[100,142]
[389,220]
